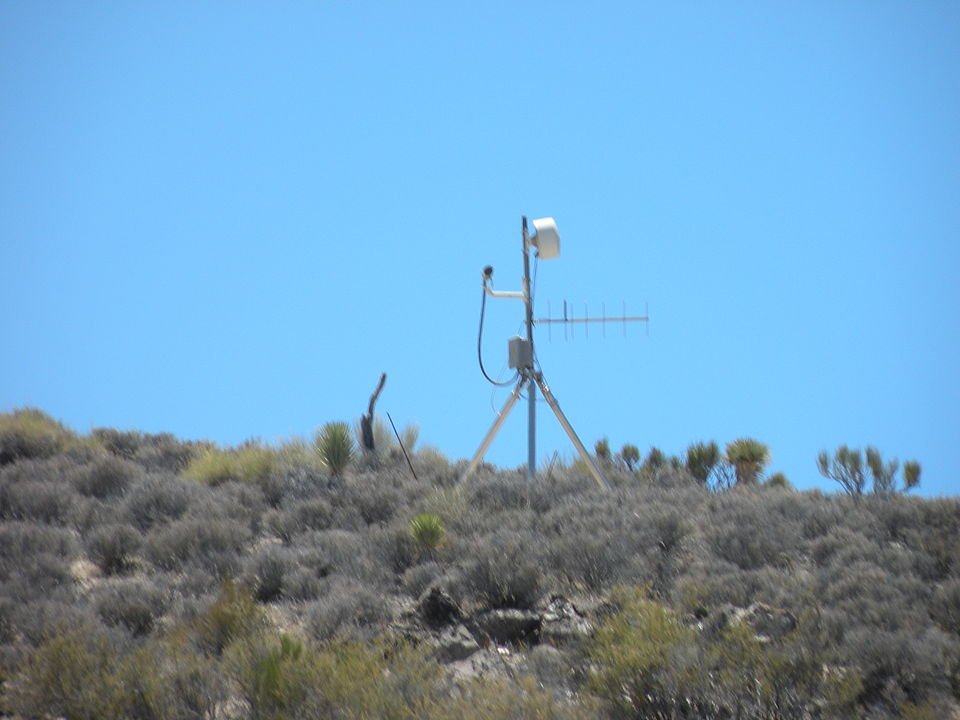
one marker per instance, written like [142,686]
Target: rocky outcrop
[562,623]
[509,626]
[437,608]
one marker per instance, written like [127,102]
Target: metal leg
[495,428]
[571,433]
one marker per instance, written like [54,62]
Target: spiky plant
[630,454]
[428,531]
[748,457]
[701,459]
[335,447]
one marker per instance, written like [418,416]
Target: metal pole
[531,387]
[571,433]
[495,428]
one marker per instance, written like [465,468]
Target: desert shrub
[435,467]
[375,502]
[106,477]
[552,488]
[159,452]
[29,433]
[35,577]
[348,610]
[281,525]
[313,514]
[335,447]
[165,453]
[353,681]
[945,607]
[113,547]
[643,657]
[500,492]
[133,604]
[395,548]
[214,544]
[646,662]
[503,572]
[778,481]
[71,675]
[274,677]
[897,666]
[232,616]
[303,583]
[42,501]
[449,504]
[21,540]
[123,443]
[417,578]
[871,593]
[743,532]
[34,562]
[251,463]
[158,499]
[351,554]
[269,570]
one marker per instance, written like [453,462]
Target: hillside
[142,576]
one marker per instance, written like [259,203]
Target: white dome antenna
[546,238]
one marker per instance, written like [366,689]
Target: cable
[483,308]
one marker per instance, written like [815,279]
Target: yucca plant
[748,457]
[335,447]
[428,531]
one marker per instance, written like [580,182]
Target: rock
[454,644]
[767,622]
[509,625]
[562,623]
[437,607]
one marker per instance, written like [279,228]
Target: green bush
[70,675]
[778,480]
[30,433]
[274,678]
[233,616]
[335,447]
[642,658]
[648,663]
[250,463]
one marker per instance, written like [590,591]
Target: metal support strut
[537,377]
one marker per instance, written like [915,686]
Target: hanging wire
[483,308]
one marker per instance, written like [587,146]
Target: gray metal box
[520,355]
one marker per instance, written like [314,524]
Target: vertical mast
[531,386]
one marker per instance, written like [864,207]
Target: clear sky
[225,220]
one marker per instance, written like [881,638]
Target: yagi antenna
[522,358]
[569,319]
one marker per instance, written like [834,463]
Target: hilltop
[144,576]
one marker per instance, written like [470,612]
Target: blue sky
[225,220]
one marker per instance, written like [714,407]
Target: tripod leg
[571,433]
[494,429]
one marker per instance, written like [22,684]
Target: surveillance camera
[488,272]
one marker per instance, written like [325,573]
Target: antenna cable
[483,308]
